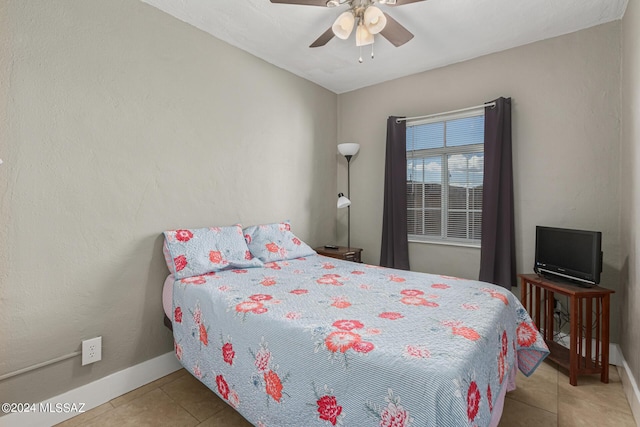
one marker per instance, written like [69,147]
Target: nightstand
[342,252]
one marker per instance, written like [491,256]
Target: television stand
[588,351]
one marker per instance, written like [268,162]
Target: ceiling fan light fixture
[333,3]
[387,1]
[363,36]
[374,20]
[343,25]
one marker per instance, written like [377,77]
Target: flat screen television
[573,255]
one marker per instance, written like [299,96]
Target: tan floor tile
[593,403]
[582,413]
[134,394]
[153,409]
[539,390]
[594,393]
[226,418]
[195,397]
[518,414]
[80,420]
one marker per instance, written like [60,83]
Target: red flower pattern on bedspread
[250,306]
[489,398]
[197,315]
[183,235]
[204,338]
[177,315]
[348,325]
[411,292]
[180,262]
[227,353]
[341,341]
[178,350]
[393,415]
[340,302]
[223,387]
[216,257]
[272,247]
[463,331]
[195,280]
[526,334]
[363,347]
[263,357]
[473,401]
[391,315]
[417,352]
[329,409]
[273,385]
[418,301]
[329,279]
[496,294]
[505,343]
[268,281]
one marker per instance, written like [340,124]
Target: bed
[317,341]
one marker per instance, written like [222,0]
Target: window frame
[444,152]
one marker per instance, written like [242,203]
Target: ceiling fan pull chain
[372,51]
[360,59]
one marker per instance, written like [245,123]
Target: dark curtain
[395,245]
[498,252]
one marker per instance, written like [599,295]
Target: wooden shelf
[589,322]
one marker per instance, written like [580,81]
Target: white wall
[566,144]
[119,122]
[630,196]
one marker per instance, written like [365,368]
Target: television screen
[571,254]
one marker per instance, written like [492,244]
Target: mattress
[167,295]
[320,341]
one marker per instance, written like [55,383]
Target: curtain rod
[488,104]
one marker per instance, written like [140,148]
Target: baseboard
[95,393]
[631,390]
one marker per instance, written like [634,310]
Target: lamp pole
[349,197]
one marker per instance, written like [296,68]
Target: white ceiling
[446,32]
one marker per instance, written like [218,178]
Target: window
[445,161]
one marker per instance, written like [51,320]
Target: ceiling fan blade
[323,39]
[395,33]
[402,2]
[303,2]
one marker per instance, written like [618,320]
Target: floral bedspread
[318,341]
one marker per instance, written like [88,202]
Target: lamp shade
[348,148]
[343,202]
[363,36]
[374,20]
[343,25]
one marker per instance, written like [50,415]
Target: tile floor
[544,399]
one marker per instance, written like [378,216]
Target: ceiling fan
[365,16]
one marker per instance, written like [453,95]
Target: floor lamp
[348,150]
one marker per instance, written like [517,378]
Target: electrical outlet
[91,350]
